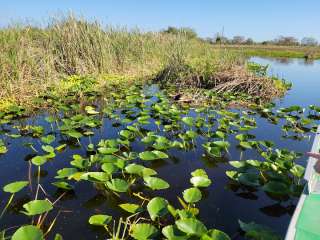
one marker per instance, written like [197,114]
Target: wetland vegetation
[117,134]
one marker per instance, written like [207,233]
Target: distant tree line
[281,41]
[220,39]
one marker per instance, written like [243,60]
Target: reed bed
[34,59]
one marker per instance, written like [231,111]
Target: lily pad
[36,207]
[152,155]
[15,187]
[215,234]
[100,220]
[192,195]
[156,183]
[191,226]
[200,181]
[118,185]
[157,207]
[171,232]
[277,188]
[131,208]
[143,231]
[28,232]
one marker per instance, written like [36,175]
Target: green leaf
[245,145]
[155,183]
[62,185]
[171,232]
[200,181]
[3,149]
[28,232]
[104,150]
[74,134]
[152,155]
[90,110]
[232,174]
[222,144]
[143,231]
[139,170]
[249,179]
[61,147]
[36,207]
[278,188]
[192,195]
[238,164]
[109,168]
[39,160]
[15,187]
[100,220]
[214,234]
[118,185]
[66,172]
[134,169]
[48,139]
[199,173]
[47,148]
[58,237]
[95,176]
[131,208]
[188,121]
[191,226]
[297,170]
[258,232]
[157,207]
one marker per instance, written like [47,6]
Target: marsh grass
[307,52]
[34,60]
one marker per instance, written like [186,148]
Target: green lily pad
[171,232]
[36,207]
[152,155]
[15,187]
[257,231]
[277,188]
[28,232]
[191,226]
[157,207]
[215,234]
[200,181]
[131,208]
[118,185]
[100,220]
[192,195]
[249,179]
[48,139]
[143,231]
[155,183]
[62,185]
[39,160]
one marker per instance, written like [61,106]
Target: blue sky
[261,20]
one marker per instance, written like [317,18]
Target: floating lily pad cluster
[158,125]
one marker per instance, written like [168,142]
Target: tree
[286,41]
[238,40]
[249,41]
[220,39]
[309,41]
[188,32]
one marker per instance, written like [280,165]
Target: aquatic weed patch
[150,126]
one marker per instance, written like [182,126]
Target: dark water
[223,203]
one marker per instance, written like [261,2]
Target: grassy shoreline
[309,53]
[35,62]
